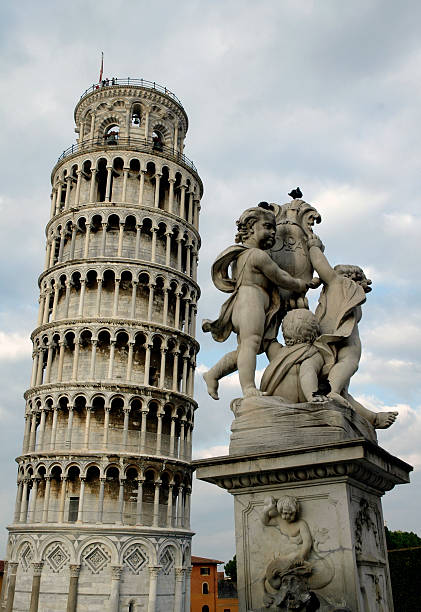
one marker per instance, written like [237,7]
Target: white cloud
[14,346]
[211,451]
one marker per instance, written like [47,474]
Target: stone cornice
[126,263]
[97,208]
[359,460]
[136,325]
[121,388]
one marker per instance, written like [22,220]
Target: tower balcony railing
[133,144]
[106,83]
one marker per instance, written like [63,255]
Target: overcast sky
[325,95]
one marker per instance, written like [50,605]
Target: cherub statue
[339,312]
[251,309]
[294,372]
[298,371]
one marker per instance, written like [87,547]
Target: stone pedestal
[338,486]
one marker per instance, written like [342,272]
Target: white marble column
[111,360]
[170,505]
[81,297]
[171,195]
[46,499]
[133,302]
[145,412]
[116,296]
[106,425]
[92,189]
[94,343]
[69,430]
[87,427]
[182,201]
[121,501]
[155,522]
[114,601]
[78,184]
[101,500]
[103,238]
[153,579]
[125,177]
[18,502]
[148,348]
[55,300]
[175,371]
[63,490]
[54,428]
[98,297]
[187,589]
[130,361]
[157,184]
[87,238]
[108,186]
[172,436]
[67,299]
[139,502]
[33,504]
[153,245]
[81,500]
[162,368]
[120,240]
[137,244]
[150,301]
[73,242]
[126,427]
[24,505]
[178,597]
[40,442]
[141,187]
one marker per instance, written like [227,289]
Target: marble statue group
[268,273]
[304,465]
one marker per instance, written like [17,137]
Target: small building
[210,591]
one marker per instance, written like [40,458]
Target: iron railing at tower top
[134,144]
[137,82]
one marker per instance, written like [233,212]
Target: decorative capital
[74,570]
[154,570]
[12,567]
[116,571]
[179,573]
[38,565]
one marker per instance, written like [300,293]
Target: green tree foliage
[231,568]
[401,539]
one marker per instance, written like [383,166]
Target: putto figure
[338,313]
[251,310]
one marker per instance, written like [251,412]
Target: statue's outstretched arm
[321,264]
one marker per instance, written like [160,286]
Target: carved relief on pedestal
[291,578]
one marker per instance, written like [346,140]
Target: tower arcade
[104,479]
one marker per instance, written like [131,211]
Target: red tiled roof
[202,560]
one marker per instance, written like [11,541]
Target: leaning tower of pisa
[102,509]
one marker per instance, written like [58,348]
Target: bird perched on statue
[295,193]
[265,205]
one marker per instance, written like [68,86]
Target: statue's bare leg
[379,420]
[226,365]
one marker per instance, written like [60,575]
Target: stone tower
[104,479]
